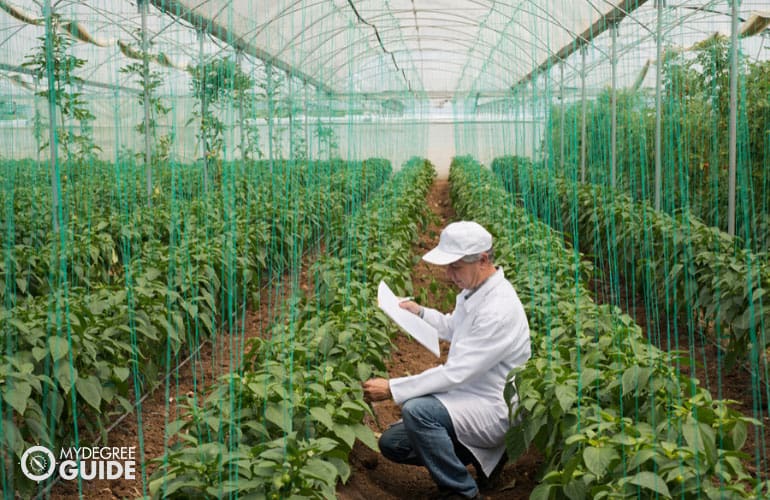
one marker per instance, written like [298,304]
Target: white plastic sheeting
[424,46]
[432,48]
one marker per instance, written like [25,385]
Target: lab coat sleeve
[492,338]
[440,321]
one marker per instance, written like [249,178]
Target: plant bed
[286,425]
[611,413]
[81,352]
[707,276]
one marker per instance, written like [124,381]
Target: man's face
[464,274]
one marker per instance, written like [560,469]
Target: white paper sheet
[409,322]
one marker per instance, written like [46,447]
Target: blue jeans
[427,437]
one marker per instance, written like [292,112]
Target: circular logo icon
[38,463]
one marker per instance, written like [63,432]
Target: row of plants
[613,415]
[67,132]
[284,427]
[74,355]
[705,276]
[695,140]
[98,210]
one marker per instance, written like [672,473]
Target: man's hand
[411,306]
[377,389]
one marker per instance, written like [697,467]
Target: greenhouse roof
[432,46]
[424,48]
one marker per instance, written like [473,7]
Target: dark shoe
[494,481]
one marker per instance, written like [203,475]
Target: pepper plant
[285,426]
[613,415]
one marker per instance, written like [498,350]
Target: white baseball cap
[457,240]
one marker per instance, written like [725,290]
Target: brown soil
[374,477]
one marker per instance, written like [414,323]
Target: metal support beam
[307,127]
[143,8]
[583,134]
[733,144]
[178,9]
[614,105]
[584,38]
[658,103]
[563,110]
[269,91]
[26,71]
[291,117]
[204,111]
[241,114]
[52,136]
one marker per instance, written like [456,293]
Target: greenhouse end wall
[395,138]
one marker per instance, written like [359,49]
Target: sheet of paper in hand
[409,322]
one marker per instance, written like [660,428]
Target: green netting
[199,198]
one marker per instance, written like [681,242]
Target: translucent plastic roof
[432,46]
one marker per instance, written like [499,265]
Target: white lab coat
[489,336]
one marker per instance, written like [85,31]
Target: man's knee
[395,445]
[423,412]
[388,446]
[410,409]
[417,408]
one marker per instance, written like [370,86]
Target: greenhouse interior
[202,200]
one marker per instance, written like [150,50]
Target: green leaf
[279,416]
[90,389]
[17,394]
[343,469]
[321,470]
[630,379]
[700,437]
[588,376]
[598,459]
[709,442]
[650,481]
[738,435]
[366,436]
[692,435]
[321,415]
[240,485]
[541,492]
[64,374]
[39,353]
[515,443]
[567,395]
[121,373]
[623,439]
[12,436]
[325,344]
[20,325]
[364,370]
[576,489]
[641,457]
[58,346]
[345,433]
[175,427]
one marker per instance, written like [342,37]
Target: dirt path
[374,477]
